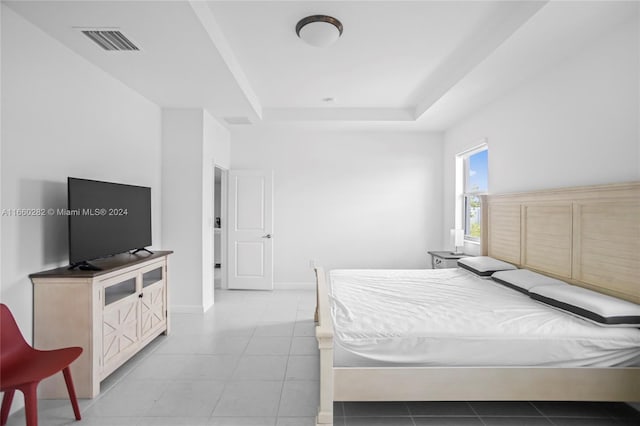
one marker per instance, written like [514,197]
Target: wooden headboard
[588,236]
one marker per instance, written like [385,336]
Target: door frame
[223,225]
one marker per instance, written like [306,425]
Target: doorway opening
[219,228]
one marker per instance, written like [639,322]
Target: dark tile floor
[485,413]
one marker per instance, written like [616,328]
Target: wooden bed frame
[588,236]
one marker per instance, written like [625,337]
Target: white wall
[182,205]
[218,138]
[61,117]
[575,124]
[347,199]
[191,141]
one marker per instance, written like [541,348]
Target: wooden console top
[107,265]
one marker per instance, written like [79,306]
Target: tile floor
[252,361]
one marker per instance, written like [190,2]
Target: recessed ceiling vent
[110,40]
[237,120]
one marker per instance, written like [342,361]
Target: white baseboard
[294,286]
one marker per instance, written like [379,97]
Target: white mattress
[449,317]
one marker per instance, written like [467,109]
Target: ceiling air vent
[110,39]
[237,120]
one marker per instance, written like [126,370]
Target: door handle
[266,236]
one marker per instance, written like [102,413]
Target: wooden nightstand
[445,259]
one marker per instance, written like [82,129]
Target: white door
[250,230]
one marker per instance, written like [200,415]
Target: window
[473,182]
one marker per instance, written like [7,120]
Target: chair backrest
[12,343]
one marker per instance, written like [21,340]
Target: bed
[587,237]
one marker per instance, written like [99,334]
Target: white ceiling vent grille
[237,120]
[110,39]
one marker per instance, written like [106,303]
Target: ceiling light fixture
[319,30]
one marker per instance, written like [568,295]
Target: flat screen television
[105,219]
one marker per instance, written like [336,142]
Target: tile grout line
[476,413]
[226,382]
[284,379]
[541,413]
[413,421]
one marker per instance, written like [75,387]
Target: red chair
[23,367]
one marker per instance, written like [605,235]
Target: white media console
[111,314]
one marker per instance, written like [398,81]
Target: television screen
[106,218]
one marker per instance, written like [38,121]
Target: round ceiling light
[319,30]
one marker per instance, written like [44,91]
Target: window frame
[464,194]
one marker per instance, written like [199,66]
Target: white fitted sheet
[449,317]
